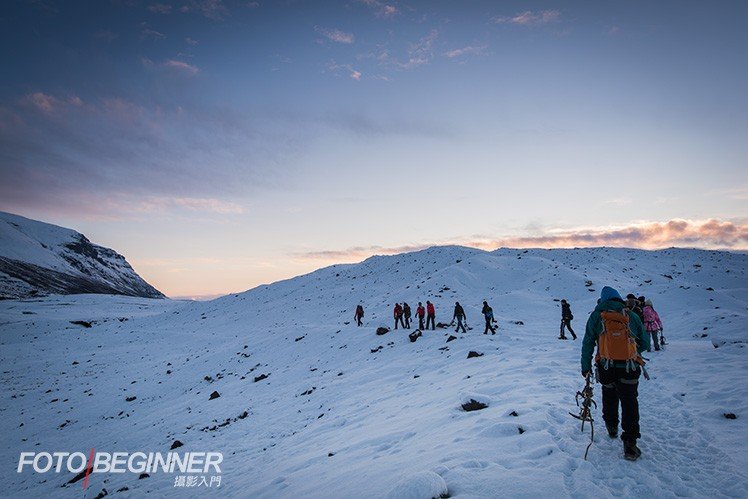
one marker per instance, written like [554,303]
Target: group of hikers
[641,306]
[403,315]
[620,329]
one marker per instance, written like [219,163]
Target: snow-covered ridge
[312,406]
[38,258]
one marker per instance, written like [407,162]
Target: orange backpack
[616,343]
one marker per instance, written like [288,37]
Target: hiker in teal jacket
[619,379]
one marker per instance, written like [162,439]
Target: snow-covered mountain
[312,406]
[38,258]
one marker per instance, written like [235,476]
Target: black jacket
[566,311]
[459,312]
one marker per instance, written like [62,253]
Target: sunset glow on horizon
[219,145]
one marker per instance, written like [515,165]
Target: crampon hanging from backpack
[616,343]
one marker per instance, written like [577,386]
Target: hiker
[421,313]
[632,303]
[407,315]
[566,318]
[460,316]
[359,314]
[652,324]
[398,314]
[620,338]
[488,315]
[430,315]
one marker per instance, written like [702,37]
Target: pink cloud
[530,18]
[181,66]
[43,102]
[336,35]
[49,103]
[336,68]
[707,234]
[469,50]
[381,9]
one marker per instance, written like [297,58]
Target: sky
[220,145]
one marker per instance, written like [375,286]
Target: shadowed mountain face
[39,259]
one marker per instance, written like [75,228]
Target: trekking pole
[585,411]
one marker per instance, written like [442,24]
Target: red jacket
[430,308]
[398,310]
[420,312]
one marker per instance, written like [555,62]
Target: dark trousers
[358,319]
[420,322]
[655,343]
[430,319]
[489,326]
[621,387]
[460,324]
[567,323]
[407,322]
[399,319]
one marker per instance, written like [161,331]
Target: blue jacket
[595,327]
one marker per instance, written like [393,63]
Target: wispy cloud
[165,203]
[212,9]
[334,67]
[336,35]
[421,52]
[530,18]
[48,103]
[174,65]
[381,9]
[708,234]
[181,66]
[147,33]
[110,156]
[468,50]
[105,35]
[160,8]
[739,193]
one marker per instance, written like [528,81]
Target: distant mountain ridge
[38,258]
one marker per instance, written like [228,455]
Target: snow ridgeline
[37,259]
[311,405]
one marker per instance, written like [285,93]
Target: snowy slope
[346,413]
[37,258]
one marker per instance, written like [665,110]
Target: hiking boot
[574,336]
[612,430]
[630,451]
[563,338]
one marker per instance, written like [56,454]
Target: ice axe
[585,409]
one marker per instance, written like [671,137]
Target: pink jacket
[651,319]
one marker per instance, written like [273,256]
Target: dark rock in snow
[261,377]
[730,415]
[451,338]
[81,323]
[473,353]
[473,405]
[101,494]
[382,330]
[415,335]
[143,475]
[514,413]
[214,395]
[176,444]
[130,399]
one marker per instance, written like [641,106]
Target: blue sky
[219,145]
